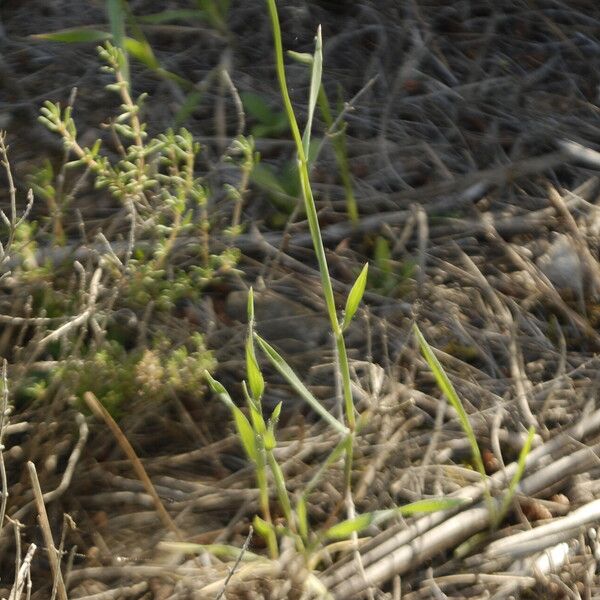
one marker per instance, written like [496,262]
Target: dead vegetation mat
[473,146]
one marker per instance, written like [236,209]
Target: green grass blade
[302,516]
[244,429]
[344,529]
[431,505]
[516,478]
[246,434]
[315,86]
[255,377]
[355,296]
[219,389]
[74,35]
[142,51]
[447,388]
[281,489]
[117,17]
[302,57]
[288,374]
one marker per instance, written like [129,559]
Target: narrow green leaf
[431,505]
[315,86]
[258,421]
[142,51]
[302,516]
[302,57]
[255,378]
[250,305]
[282,493]
[516,478]
[262,527]
[344,529]
[213,13]
[447,388]
[276,412]
[74,35]
[264,176]
[117,17]
[246,433]
[219,389]
[355,296]
[269,440]
[188,106]
[285,371]
[258,108]
[244,429]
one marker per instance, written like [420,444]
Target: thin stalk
[313,221]
[338,141]
[282,493]
[263,493]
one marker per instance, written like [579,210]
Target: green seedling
[258,439]
[497,513]
[257,435]
[445,385]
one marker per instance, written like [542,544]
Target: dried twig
[47,533]
[96,407]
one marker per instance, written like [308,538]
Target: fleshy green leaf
[315,86]
[355,296]
[285,371]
